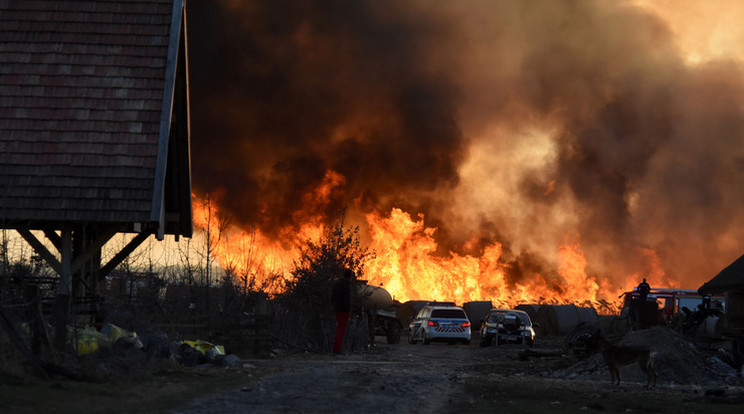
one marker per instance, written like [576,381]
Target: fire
[250,256]
[255,259]
[551,187]
[572,268]
[406,262]
[406,266]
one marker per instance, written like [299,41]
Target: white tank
[374,296]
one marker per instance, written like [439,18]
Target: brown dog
[616,356]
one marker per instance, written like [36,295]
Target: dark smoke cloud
[282,92]
[395,96]
[648,145]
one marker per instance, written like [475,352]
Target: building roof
[730,278]
[94,114]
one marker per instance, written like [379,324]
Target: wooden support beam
[54,238]
[128,249]
[65,268]
[93,248]
[62,304]
[40,249]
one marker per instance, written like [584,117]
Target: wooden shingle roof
[730,278]
[94,114]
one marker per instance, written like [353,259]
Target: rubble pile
[677,362]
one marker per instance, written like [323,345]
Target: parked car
[507,326]
[438,322]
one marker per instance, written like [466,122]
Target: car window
[448,313]
[495,317]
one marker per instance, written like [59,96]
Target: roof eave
[157,213]
[730,278]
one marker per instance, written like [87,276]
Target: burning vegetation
[495,153]
[519,152]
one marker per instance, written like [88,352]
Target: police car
[437,322]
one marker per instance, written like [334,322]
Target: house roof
[94,114]
[730,278]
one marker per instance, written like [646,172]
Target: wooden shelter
[731,278]
[730,281]
[94,129]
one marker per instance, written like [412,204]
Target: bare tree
[307,317]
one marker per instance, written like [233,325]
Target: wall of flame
[542,151]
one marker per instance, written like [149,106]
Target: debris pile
[99,356]
[677,362]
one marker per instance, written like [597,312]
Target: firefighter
[643,289]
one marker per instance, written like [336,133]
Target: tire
[425,339]
[577,342]
[410,339]
[466,342]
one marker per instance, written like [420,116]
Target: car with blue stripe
[440,323]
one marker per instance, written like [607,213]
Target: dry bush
[304,316]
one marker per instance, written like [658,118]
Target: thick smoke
[522,122]
[283,93]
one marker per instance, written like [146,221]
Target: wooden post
[62,305]
[33,297]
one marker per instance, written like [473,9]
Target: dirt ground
[399,378]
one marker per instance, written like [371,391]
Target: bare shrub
[304,316]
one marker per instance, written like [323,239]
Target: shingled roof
[730,278]
[94,122]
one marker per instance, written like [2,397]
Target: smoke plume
[528,123]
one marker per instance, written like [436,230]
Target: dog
[617,356]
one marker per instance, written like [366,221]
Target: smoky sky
[647,149]
[283,92]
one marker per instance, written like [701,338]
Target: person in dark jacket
[341,300]
[643,290]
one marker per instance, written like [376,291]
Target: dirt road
[451,379]
[389,379]
[402,378]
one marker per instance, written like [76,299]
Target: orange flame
[406,266]
[406,263]
[551,187]
[249,254]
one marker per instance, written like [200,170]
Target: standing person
[341,300]
[643,289]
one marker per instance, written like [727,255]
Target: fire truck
[683,309]
[663,305]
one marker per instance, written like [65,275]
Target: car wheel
[425,339]
[466,342]
[410,339]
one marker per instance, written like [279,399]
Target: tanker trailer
[381,311]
